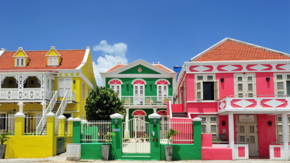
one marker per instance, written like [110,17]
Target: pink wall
[262,86]
[202,107]
[226,127]
[190,90]
[266,134]
[176,108]
[227,87]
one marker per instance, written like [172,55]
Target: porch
[145,100]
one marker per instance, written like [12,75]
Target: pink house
[241,93]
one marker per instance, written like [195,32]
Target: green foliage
[103,102]
[4,137]
[170,134]
[108,137]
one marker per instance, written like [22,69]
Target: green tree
[103,102]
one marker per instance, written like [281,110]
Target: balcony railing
[25,94]
[270,102]
[71,96]
[145,100]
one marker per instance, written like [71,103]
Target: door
[245,85]
[247,133]
[164,127]
[64,84]
[162,92]
[139,94]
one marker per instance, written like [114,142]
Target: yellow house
[35,83]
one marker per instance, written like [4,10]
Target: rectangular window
[206,88]
[83,90]
[245,85]
[52,61]
[282,84]
[20,62]
[279,130]
[209,125]
[64,85]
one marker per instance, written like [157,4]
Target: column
[19,124]
[77,130]
[61,125]
[285,135]
[70,126]
[155,135]
[117,139]
[231,134]
[155,110]
[127,132]
[50,131]
[44,104]
[21,104]
[197,135]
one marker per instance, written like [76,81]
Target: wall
[182,152]
[266,134]
[86,73]
[93,151]
[226,127]
[227,87]
[190,90]
[262,86]
[202,107]
[176,108]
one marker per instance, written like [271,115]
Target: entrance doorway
[247,132]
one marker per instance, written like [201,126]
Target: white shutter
[55,61]
[216,90]
[61,87]
[83,90]
[68,85]
[199,90]
[17,61]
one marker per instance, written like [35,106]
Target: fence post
[50,130]
[155,138]
[19,124]
[61,125]
[117,139]
[77,130]
[70,126]
[197,135]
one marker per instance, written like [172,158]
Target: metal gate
[136,136]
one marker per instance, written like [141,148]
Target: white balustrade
[25,94]
[145,100]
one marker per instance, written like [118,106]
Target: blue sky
[168,31]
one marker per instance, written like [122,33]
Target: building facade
[38,82]
[241,93]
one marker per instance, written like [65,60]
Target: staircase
[136,156]
[179,115]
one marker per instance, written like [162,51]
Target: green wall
[134,70]
[182,152]
[149,90]
[147,111]
[93,151]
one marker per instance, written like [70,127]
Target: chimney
[2,51]
[153,63]
[158,62]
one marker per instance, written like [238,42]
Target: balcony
[259,104]
[25,94]
[145,100]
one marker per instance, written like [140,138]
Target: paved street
[62,159]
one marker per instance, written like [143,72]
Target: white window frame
[115,88]
[143,126]
[279,123]
[84,90]
[20,62]
[245,92]
[208,123]
[52,61]
[284,80]
[163,94]
[140,98]
[65,87]
[205,78]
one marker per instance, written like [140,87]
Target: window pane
[279,76]
[250,95]
[240,78]
[250,87]
[252,139]
[199,77]
[280,138]
[17,62]
[213,119]
[250,78]
[203,119]
[203,128]
[198,86]
[242,129]
[22,62]
[280,85]
[209,77]
[213,128]
[240,87]
[288,76]
[240,95]
[279,128]
[252,129]
[242,138]
[280,93]
[198,95]
[279,119]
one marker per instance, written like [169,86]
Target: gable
[20,53]
[234,50]
[52,52]
[139,69]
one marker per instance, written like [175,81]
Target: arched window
[116,85]
[162,89]
[140,122]
[139,93]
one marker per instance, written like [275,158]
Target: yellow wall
[85,68]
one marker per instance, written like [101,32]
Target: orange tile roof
[163,68]
[71,59]
[115,68]
[231,49]
[157,65]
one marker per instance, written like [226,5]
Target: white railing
[61,110]
[184,128]
[42,124]
[7,125]
[25,94]
[95,131]
[145,100]
[71,96]
[235,103]
[31,124]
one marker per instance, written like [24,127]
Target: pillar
[70,126]
[197,135]
[21,104]
[61,125]
[50,131]
[231,134]
[77,130]
[44,104]
[155,135]
[19,124]
[285,135]
[127,132]
[154,110]
[117,139]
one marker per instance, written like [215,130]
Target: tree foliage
[102,102]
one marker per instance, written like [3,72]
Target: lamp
[223,123]
[269,123]
[154,122]
[267,78]
[222,79]
[150,84]
[14,111]
[116,122]
[127,84]
[74,81]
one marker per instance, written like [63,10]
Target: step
[136,156]
[179,114]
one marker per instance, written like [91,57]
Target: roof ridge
[47,50]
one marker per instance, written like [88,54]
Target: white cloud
[111,56]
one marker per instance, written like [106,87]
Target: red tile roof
[231,49]
[163,68]
[71,59]
[157,65]
[115,67]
